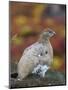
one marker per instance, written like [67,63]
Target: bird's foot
[40,70]
[44,69]
[37,69]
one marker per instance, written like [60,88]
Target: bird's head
[47,34]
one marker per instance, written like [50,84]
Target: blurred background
[27,20]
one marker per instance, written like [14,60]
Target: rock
[52,78]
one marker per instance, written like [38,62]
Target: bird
[38,57]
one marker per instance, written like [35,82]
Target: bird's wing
[34,47]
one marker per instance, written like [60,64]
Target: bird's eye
[50,31]
[46,52]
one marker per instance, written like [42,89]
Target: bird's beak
[54,33]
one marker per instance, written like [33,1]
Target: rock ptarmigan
[37,56]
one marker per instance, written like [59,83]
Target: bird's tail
[14,75]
